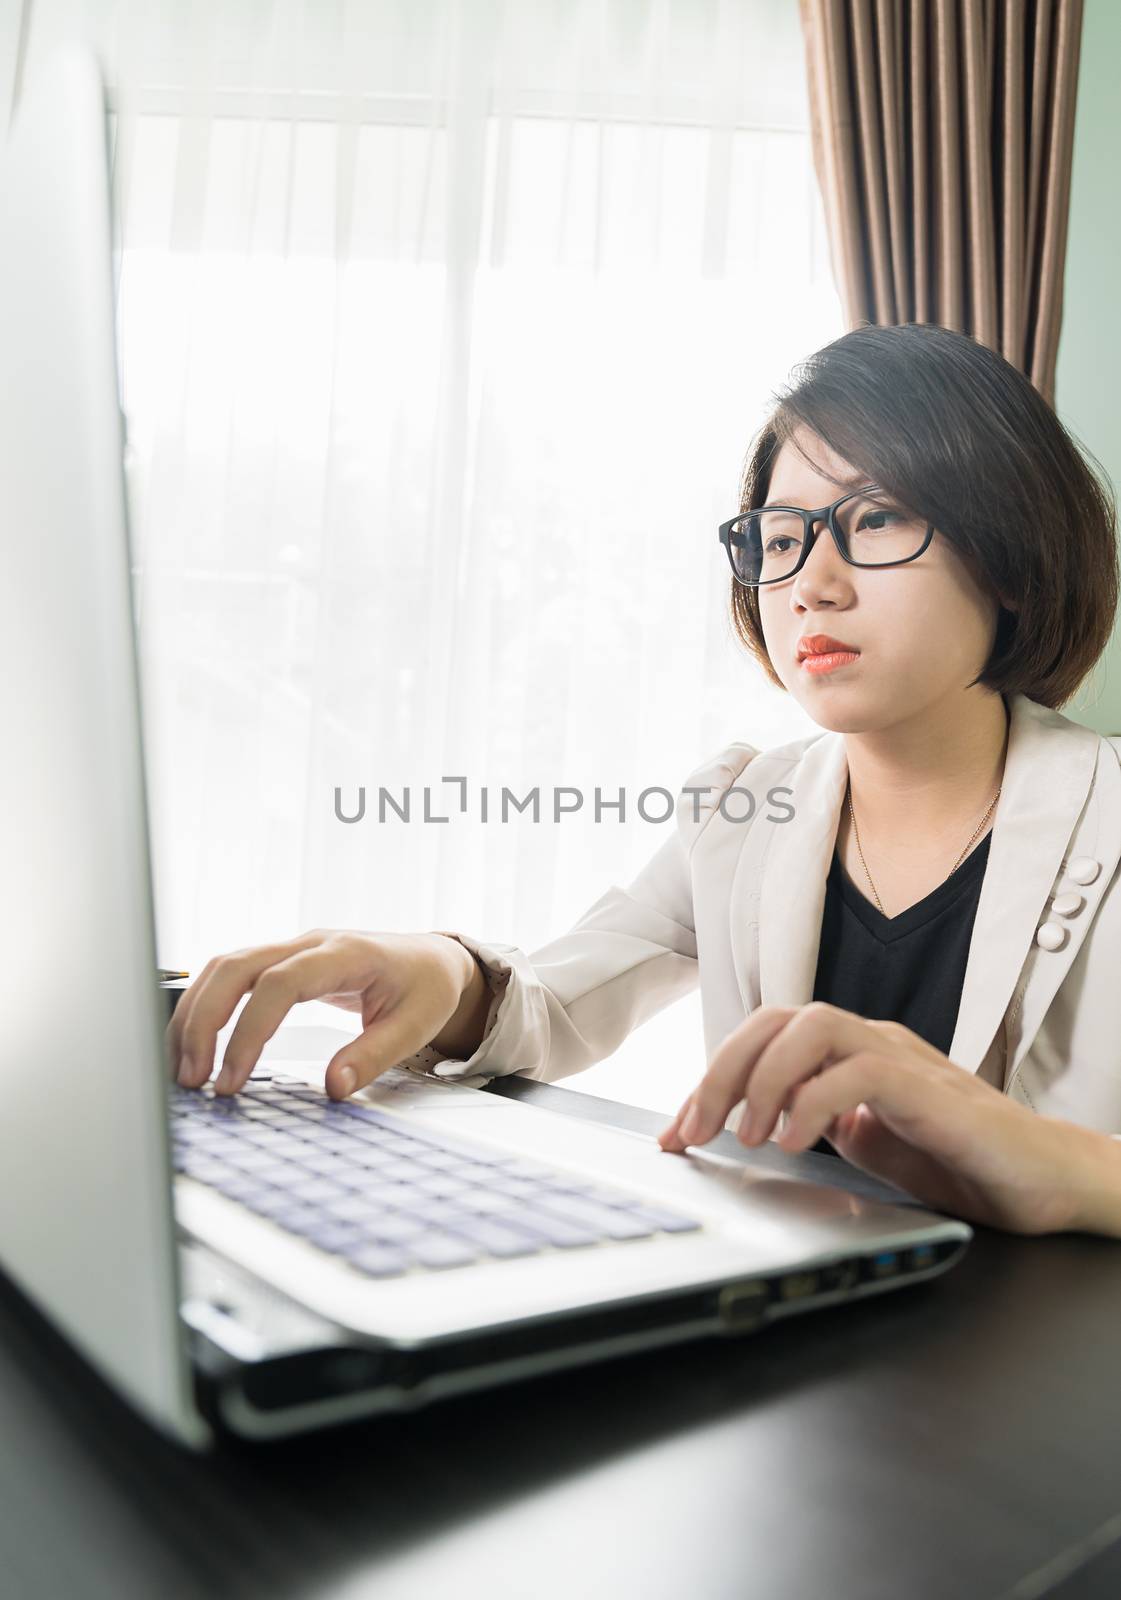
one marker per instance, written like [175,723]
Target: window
[443,332]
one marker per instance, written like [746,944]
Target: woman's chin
[843,709]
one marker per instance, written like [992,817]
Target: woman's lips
[829,663]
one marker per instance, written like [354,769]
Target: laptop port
[884,1265]
[921,1256]
[840,1275]
[797,1285]
[740,1306]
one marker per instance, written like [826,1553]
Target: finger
[729,1071]
[380,1045]
[818,1036]
[173,1033]
[868,1143]
[669,1138]
[218,993]
[304,976]
[841,1088]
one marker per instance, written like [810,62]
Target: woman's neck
[918,787]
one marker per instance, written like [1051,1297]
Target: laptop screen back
[86,1220]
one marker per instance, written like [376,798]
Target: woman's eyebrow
[843,486]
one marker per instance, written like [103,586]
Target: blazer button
[1067,904]
[1051,936]
[1083,869]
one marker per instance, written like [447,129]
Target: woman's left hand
[895,1106]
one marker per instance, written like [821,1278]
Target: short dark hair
[954,432]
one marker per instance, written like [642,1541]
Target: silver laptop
[277,1261]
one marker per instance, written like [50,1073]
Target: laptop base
[324,1376]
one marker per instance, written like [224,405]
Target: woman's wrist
[463,1032]
[1094,1167]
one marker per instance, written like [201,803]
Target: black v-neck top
[907,969]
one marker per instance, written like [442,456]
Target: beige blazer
[736,906]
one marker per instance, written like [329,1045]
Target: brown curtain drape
[942,137]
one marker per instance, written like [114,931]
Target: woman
[905,927]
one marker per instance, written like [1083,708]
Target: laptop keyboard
[351,1180]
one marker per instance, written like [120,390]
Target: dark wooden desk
[951,1440]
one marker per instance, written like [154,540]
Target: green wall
[1088,378]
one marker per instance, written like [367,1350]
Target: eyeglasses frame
[826,514]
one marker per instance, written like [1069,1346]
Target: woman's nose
[824,563]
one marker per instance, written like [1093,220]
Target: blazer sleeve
[633,952]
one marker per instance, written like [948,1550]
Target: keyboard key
[407,1149]
[396,1227]
[276,1142]
[472,1172]
[517,1168]
[440,1250]
[665,1221]
[603,1220]
[435,1183]
[400,1171]
[203,1171]
[595,1191]
[431,1160]
[391,1195]
[337,1136]
[497,1240]
[313,1135]
[250,1158]
[194,1133]
[516,1188]
[295,1218]
[274,1203]
[236,1187]
[564,1235]
[316,1189]
[438,1210]
[255,1133]
[365,1159]
[486,1202]
[363,1132]
[354,1208]
[276,1172]
[459,1148]
[377,1260]
[322,1162]
[335,1237]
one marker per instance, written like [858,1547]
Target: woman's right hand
[408,988]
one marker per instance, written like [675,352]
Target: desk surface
[958,1438]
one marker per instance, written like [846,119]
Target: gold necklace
[953,869]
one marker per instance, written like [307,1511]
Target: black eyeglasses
[771,544]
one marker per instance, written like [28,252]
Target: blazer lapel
[1092,831]
[1048,776]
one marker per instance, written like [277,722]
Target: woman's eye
[875,520]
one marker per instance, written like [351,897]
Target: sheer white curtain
[444,329]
